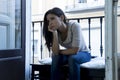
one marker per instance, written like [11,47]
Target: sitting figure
[57,30]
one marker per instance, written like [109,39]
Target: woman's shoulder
[73,23]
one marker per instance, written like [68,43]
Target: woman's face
[54,22]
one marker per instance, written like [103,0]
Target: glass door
[12,39]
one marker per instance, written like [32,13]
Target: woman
[57,31]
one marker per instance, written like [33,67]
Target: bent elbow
[55,52]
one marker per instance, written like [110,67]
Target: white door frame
[111,68]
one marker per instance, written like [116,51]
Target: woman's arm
[76,40]
[56,49]
[55,45]
[69,51]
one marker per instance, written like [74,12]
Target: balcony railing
[93,32]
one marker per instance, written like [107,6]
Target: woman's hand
[51,28]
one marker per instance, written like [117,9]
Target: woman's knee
[57,60]
[72,59]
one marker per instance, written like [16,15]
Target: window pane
[10,24]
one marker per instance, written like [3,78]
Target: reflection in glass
[10,24]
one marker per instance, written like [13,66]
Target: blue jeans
[73,62]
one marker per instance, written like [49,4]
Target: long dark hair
[46,33]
